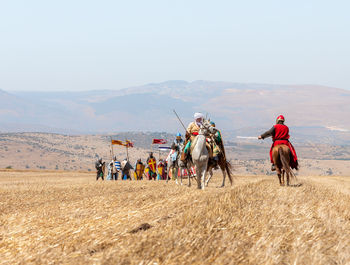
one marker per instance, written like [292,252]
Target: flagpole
[127,151]
[112,153]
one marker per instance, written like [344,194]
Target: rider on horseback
[179,142]
[217,143]
[191,132]
[176,147]
[280,135]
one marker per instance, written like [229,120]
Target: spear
[180,120]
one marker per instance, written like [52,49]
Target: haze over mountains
[239,109]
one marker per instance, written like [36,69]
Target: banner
[117,142]
[127,143]
[164,148]
[159,141]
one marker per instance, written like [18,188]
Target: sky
[91,45]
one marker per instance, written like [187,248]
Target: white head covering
[198,115]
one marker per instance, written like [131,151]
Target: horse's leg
[198,177]
[176,172]
[287,174]
[180,175]
[223,178]
[167,173]
[280,175]
[280,179]
[178,169]
[204,174]
[210,171]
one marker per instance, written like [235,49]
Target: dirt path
[69,218]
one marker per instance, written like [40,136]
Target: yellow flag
[117,142]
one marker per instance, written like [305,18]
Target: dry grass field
[69,218]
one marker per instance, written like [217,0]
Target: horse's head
[206,128]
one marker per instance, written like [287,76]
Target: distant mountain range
[313,112]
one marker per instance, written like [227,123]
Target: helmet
[212,123]
[178,135]
[280,118]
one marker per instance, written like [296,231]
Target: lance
[111,151]
[180,120]
[127,151]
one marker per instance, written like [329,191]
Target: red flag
[129,144]
[159,141]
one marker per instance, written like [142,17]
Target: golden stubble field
[69,218]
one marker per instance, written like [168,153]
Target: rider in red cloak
[280,135]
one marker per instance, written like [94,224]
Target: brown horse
[225,166]
[282,157]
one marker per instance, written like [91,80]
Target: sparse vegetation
[254,222]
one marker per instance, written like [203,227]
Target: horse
[200,154]
[226,168]
[175,165]
[281,156]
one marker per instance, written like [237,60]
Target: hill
[69,152]
[79,152]
[234,106]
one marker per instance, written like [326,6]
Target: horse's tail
[228,168]
[285,164]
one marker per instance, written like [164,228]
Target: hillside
[70,152]
[79,152]
[234,106]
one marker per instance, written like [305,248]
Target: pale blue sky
[84,45]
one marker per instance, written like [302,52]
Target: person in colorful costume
[110,168]
[280,135]
[152,166]
[161,170]
[99,167]
[116,168]
[176,148]
[139,169]
[179,142]
[126,167]
[217,144]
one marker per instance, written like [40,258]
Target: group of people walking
[113,169]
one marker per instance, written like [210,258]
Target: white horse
[175,164]
[200,154]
